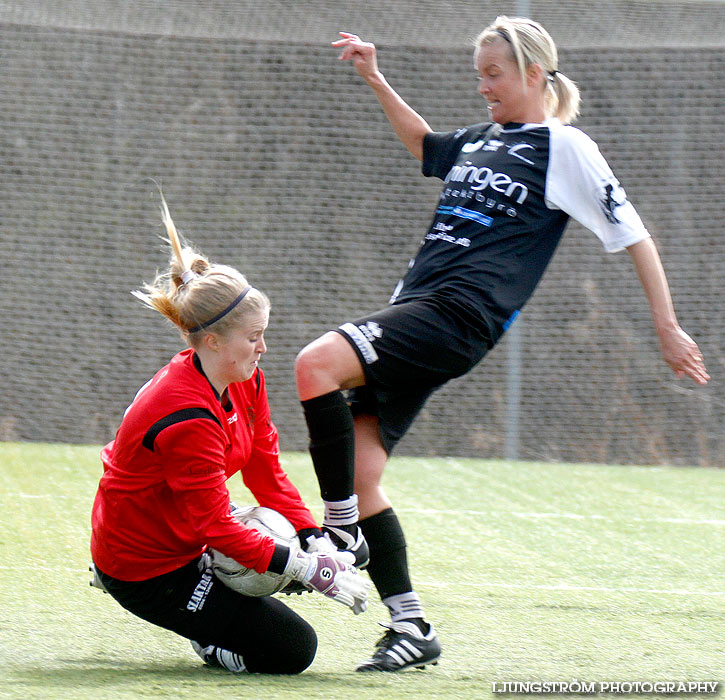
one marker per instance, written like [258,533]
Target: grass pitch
[530,572]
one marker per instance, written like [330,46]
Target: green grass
[530,571]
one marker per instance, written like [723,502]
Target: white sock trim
[341,512]
[404,606]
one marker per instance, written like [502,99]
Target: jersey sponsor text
[481,178]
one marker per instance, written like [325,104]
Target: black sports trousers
[191,601]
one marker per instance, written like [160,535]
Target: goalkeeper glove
[324,545]
[330,575]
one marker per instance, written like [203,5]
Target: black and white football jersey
[502,212]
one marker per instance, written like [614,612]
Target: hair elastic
[187,276]
[208,323]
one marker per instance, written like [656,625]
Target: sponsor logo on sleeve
[612,197]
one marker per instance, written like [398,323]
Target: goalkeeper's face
[240,348]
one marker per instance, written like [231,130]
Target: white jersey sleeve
[581,183]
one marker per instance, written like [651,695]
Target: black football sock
[332,444]
[388,566]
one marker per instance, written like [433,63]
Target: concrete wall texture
[274,157]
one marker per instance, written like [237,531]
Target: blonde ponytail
[195,294]
[567,99]
[171,232]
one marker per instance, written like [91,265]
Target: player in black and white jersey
[510,186]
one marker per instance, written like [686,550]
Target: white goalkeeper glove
[330,575]
[324,545]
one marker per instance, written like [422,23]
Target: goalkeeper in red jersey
[162,500]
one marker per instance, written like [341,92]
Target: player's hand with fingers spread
[361,53]
[683,356]
[331,576]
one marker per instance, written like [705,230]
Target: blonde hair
[530,43]
[194,291]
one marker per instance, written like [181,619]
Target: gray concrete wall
[275,158]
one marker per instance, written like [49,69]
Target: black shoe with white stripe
[403,646]
[219,658]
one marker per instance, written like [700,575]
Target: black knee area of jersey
[332,444]
[388,567]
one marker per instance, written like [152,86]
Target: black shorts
[191,601]
[407,351]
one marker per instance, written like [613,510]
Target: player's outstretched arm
[406,122]
[678,349]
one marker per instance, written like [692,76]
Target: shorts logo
[198,597]
[363,337]
[371,330]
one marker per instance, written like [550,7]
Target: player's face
[509,99]
[241,348]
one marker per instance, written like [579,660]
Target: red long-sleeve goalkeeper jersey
[163,497]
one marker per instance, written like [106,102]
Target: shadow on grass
[92,673]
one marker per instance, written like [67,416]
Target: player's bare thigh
[327,364]
[370,461]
